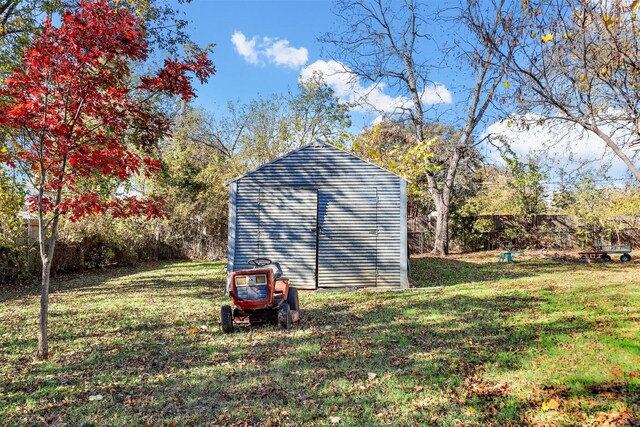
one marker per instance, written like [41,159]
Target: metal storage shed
[330,218]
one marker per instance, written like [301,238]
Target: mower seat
[277,270]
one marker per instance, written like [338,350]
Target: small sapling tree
[73,114]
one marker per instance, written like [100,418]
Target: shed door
[287,232]
[347,240]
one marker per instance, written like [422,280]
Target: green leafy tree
[603,211]
[317,113]
[202,155]
[527,183]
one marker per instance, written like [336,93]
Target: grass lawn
[537,342]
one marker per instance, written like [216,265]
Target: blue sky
[268,29]
[262,47]
[298,22]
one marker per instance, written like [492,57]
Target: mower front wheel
[226,319]
[292,299]
[284,316]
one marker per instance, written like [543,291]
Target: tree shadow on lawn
[438,342]
[429,353]
[96,278]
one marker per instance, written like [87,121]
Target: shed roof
[316,143]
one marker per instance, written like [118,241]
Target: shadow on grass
[429,353]
[431,350]
[97,278]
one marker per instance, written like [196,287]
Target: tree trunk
[43,340]
[441,238]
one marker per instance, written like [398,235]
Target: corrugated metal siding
[288,232]
[358,209]
[347,244]
[278,224]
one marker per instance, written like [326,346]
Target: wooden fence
[540,231]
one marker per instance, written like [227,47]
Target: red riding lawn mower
[260,295]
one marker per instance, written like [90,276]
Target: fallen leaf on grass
[371,376]
[613,419]
[550,405]
[160,377]
[334,420]
[96,397]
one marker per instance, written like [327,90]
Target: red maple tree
[73,113]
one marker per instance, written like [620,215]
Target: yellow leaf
[566,36]
[608,21]
[547,38]
[138,11]
[160,377]
[533,35]
[635,5]
[192,331]
[550,405]
[582,76]
[506,85]
[509,124]
[3,150]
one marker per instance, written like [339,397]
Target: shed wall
[359,217]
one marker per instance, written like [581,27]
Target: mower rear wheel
[292,299]
[226,319]
[625,258]
[284,316]
[606,258]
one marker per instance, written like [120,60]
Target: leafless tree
[383,42]
[576,61]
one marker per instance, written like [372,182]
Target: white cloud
[436,94]
[334,74]
[348,87]
[269,50]
[561,145]
[377,120]
[282,54]
[246,48]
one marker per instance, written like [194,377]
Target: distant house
[331,219]
[31,225]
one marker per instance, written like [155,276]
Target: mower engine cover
[252,288]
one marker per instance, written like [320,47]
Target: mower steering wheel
[259,262]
